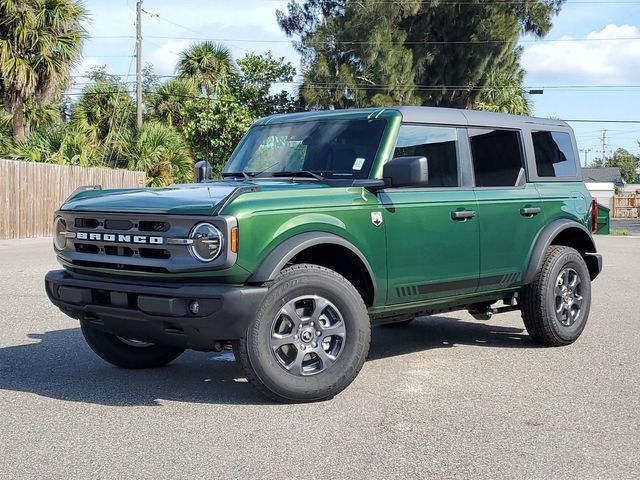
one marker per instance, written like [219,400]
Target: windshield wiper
[299,173]
[244,175]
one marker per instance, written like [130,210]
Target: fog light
[194,307]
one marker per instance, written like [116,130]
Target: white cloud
[165,57]
[611,62]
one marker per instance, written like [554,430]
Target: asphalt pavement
[631,225]
[445,397]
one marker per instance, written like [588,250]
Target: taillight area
[594,216]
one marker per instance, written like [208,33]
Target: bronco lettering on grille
[119,238]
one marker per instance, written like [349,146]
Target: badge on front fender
[376,218]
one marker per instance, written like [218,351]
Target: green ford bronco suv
[324,223]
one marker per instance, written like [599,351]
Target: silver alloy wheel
[135,343]
[568,296]
[307,335]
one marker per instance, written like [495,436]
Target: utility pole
[604,148]
[139,64]
[586,152]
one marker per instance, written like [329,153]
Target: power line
[335,42]
[425,42]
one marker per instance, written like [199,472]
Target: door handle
[529,211]
[462,214]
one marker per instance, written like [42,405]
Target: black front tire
[124,353]
[302,292]
[554,312]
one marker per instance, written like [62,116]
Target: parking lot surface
[446,397]
[632,225]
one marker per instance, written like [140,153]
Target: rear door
[432,232]
[509,209]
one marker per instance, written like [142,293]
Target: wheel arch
[327,250]
[568,233]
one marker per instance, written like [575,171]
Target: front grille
[87,248]
[145,226]
[108,241]
[88,223]
[154,253]
[118,251]
[129,243]
[124,225]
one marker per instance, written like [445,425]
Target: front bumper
[158,313]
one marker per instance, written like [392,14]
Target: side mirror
[406,172]
[202,171]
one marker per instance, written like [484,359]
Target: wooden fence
[31,192]
[626,206]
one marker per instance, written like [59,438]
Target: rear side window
[554,154]
[497,157]
[438,144]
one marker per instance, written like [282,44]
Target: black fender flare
[275,261]
[546,237]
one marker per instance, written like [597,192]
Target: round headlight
[207,242]
[59,234]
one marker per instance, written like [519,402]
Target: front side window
[331,148]
[439,145]
[554,154]
[497,157]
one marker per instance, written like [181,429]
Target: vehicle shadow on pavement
[443,332]
[59,364]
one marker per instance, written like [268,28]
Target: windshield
[343,149]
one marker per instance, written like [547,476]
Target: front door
[432,232]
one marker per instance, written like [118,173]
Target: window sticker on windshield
[358,164]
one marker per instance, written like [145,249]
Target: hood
[190,199]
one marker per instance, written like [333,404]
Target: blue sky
[600,57]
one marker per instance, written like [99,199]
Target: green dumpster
[604,220]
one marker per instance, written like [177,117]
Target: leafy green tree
[105,110]
[211,65]
[6,143]
[40,40]
[504,93]
[213,129]
[160,151]
[59,144]
[369,52]
[626,162]
[258,75]
[170,101]
[43,116]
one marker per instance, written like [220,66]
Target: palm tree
[504,93]
[161,152]
[40,40]
[105,111]
[42,116]
[59,144]
[211,65]
[168,103]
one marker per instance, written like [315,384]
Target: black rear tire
[125,353]
[555,306]
[322,326]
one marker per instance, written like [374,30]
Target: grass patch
[620,232]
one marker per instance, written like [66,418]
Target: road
[446,397]
[632,225]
